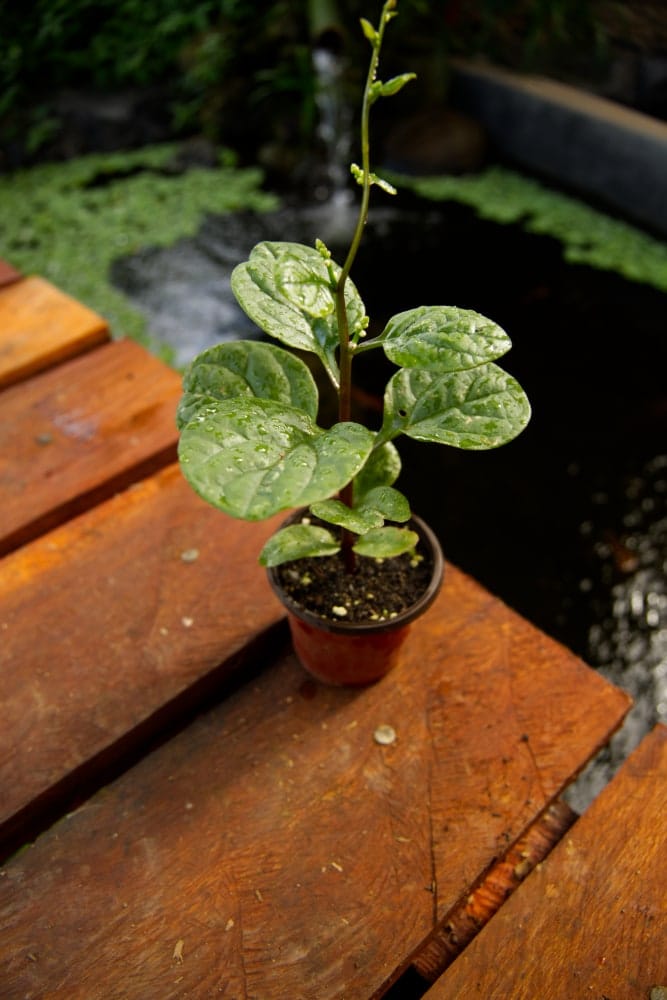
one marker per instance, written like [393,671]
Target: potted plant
[353,565]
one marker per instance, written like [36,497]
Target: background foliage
[215,66]
[204,60]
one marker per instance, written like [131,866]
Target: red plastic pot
[358,653]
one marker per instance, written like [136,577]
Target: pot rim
[403,618]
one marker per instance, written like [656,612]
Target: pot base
[358,653]
[353,659]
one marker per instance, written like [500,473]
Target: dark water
[568,524]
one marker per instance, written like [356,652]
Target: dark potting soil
[377,591]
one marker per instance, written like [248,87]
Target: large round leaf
[288,290]
[478,409]
[252,458]
[443,339]
[247,368]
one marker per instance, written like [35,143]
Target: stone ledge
[589,144]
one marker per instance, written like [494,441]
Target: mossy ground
[68,221]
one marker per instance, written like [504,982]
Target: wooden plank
[472,914]
[274,849]
[592,920]
[76,434]
[8,274]
[111,627]
[41,326]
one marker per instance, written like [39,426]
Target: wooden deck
[591,920]
[203,818]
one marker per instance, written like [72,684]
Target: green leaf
[288,290]
[385,543]
[388,502]
[391,87]
[298,541]
[373,179]
[356,520]
[383,184]
[443,339]
[254,457]
[381,469]
[246,368]
[369,31]
[378,504]
[477,409]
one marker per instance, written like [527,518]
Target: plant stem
[346,348]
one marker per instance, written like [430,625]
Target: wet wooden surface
[41,326]
[76,434]
[274,849]
[506,875]
[592,919]
[113,625]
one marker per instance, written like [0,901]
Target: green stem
[346,347]
[341,309]
[370,345]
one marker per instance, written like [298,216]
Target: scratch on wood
[431,835]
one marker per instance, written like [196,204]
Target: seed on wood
[385,735]
[190,555]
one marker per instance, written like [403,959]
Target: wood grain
[78,433]
[108,633]
[274,849]
[592,919]
[41,326]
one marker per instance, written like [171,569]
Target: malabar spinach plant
[249,442]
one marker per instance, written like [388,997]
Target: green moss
[588,236]
[68,222]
